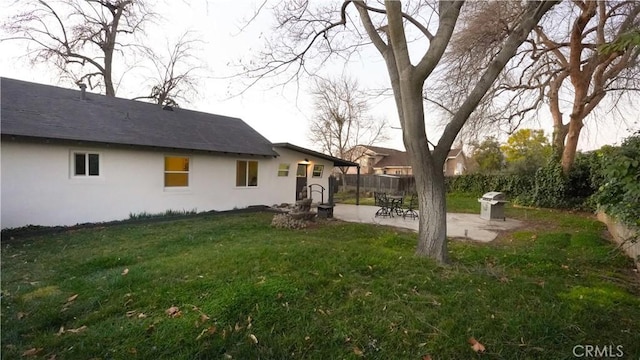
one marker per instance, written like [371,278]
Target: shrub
[550,187]
[619,196]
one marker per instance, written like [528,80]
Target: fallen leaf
[52,357]
[80,329]
[174,312]
[72,297]
[204,318]
[566,267]
[253,338]
[426,357]
[476,346]
[133,351]
[505,280]
[21,315]
[208,331]
[357,351]
[151,328]
[131,313]
[60,331]
[238,327]
[125,272]
[32,352]
[204,331]
[142,316]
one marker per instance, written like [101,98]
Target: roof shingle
[43,111]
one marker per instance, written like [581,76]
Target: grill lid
[494,197]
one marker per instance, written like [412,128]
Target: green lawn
[243,290]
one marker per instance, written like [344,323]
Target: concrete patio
[465,226]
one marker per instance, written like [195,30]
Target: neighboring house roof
[336,161]
[453,153]
[398,158]
[379,150]
[393,159]
[43,111]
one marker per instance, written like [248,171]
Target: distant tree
[488,156]
[175,73]
[81,38]
[341,119]
[527,150]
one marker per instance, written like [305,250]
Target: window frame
[283,172]
[313,170]
[87,164]
[187,172]
[247,173]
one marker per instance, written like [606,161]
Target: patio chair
[383,202]
[411,207]
[397,203]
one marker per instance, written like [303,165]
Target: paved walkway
[466,226]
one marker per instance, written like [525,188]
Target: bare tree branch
[86,36]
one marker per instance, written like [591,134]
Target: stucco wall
[38,187]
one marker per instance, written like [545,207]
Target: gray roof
[336,161]
[49,112]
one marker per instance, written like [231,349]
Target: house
[69,156]
[380,160]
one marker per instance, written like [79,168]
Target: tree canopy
[526,150]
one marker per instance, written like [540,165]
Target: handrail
[321,191]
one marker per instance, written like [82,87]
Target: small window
[86,164]
[283,170]
[246,173]
[317,170]
[301,171]
[176,171]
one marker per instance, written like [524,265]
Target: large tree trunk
[432,231]
[429,175]
[571,145]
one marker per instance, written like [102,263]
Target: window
[176,171]
[317,170]
[246,173]
[301,171]
[86,164]
[283,170]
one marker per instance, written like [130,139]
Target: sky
[279,114]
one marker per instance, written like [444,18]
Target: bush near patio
[619,195]
[232,286]
[609,177]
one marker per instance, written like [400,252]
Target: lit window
[301,171]
[283,170]
[246,173]
[86,164]
[317,170]
[176,171]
